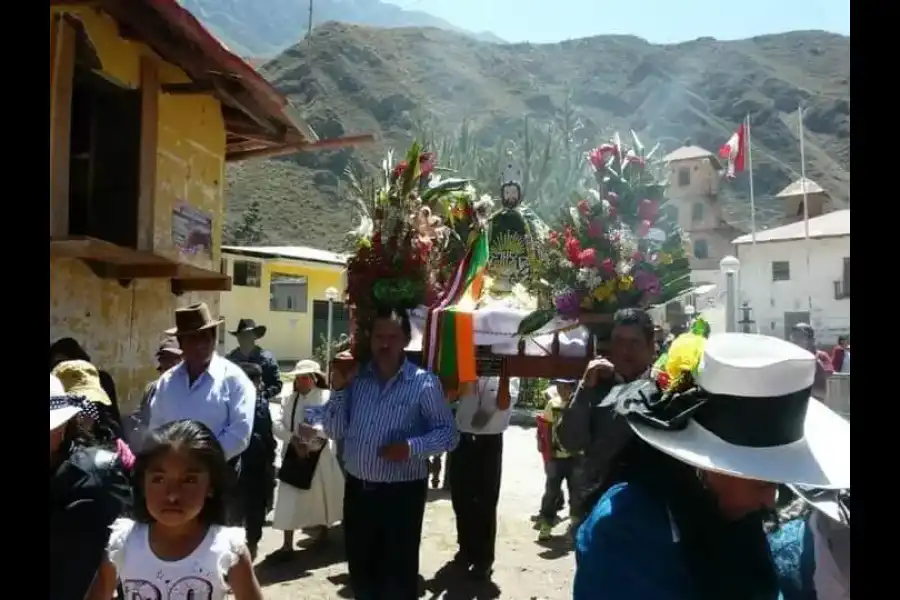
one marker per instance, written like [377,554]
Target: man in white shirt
[475,470]
[205,387]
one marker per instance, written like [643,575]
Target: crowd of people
[735,485]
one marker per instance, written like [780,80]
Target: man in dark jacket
[631,353]
[256,481]
[248,334]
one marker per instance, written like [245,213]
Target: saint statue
[512,241]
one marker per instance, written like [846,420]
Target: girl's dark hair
[69,348]
[195,438]
[727,559]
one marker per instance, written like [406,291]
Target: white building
[783,288]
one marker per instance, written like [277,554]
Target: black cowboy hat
[245,325]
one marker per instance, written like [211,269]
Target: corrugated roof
[796,188]
[833,224]
[688,153]
[289,252]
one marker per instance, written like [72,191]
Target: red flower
[595,228]
[600,155]
[573,249]
[648,210]
[663,380]
[584,208]
[554,239]
[587,258]
[399,169]
[637,257]
[426,163]
[608,266]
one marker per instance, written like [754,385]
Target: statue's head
[510,195]
[510,189]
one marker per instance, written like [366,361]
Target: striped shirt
[369,414]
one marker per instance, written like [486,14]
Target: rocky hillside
[263,28]
[351,79]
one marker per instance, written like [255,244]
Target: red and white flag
[735,151]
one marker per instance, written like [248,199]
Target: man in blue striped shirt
[392,416]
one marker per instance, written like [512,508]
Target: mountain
[263,28]
[352,79]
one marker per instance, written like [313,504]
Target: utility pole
[310,23]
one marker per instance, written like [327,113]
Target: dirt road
[525,570]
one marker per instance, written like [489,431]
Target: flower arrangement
[616,247]
[674,369]
[399,251]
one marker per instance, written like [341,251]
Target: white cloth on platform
[485,397]
[323,502]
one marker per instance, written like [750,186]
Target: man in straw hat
[205,387]
[687,495]
[248,334]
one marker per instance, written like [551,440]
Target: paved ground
[525,570]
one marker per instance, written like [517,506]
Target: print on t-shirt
[186,588]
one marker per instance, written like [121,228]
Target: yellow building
[146,107]
[287,290]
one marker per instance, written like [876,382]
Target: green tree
[249,230]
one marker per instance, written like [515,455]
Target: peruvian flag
[734,151]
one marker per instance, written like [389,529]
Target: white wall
[771,299]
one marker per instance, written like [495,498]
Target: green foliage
[532,393]
[320,352]
[249,230]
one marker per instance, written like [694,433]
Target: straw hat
[757,419]
[80,378]
[312,368]
[193,318]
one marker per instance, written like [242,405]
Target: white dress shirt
[223,398]
[485,397]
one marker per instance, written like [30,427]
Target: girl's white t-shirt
[199,576]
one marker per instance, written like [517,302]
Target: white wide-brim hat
[311,368]
[60,408]
[759,421]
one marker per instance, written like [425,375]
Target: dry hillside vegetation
[395,82]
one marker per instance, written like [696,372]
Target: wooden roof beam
[288,149]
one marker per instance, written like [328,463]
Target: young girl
[177,547]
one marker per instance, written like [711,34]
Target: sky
[659,21]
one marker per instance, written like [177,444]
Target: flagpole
[750,173]
[805,207]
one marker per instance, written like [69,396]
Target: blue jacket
[627,549]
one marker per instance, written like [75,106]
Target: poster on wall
[191,230]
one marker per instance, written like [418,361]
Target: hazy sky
[659,21]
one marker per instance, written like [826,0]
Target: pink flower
[647,282]
[595,228]
[587,258]
[644,228]
[573,249]
[612,198]
[648,210]
[608,267]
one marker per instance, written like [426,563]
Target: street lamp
[331,294]
[730,266]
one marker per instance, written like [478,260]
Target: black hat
[245,325]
